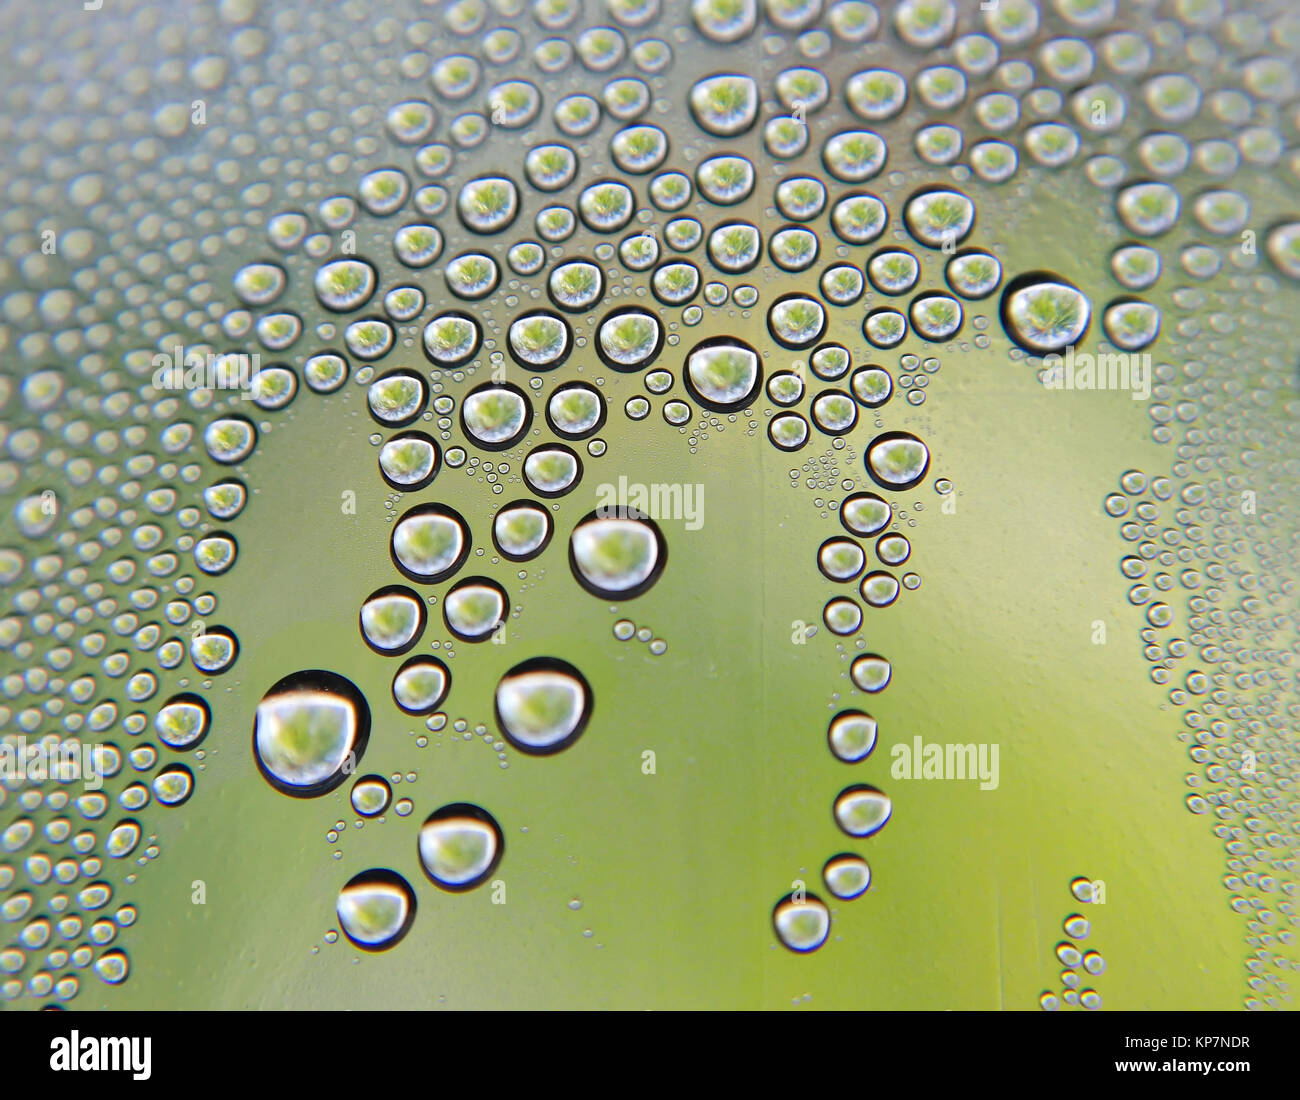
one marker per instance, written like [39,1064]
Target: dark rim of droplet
[809,898]
[896,487]
[661,556]
[423,661]
[234,543]
[548,664]
[723,227]
[772,330]
[496,278]
[1023,282]
[483,582]
[382,877]
[771,433]
[925,296]
[505,444]
[324,353]
[252,428]
[849,500]
[835,431]
[445,364]
[429,578]
[539,367]
[177,769]
[551,494]
[329,683]
[188,697]
[374,284]
[413,486]
[629,368]
[419,408]
[396,590]
[586,387]
[845,715]
[833,540]
[476,813]
[229,635]
[961,253]
[874,368]
[723,342]
[600,292]
[531,506]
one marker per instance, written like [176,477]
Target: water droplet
[801,925]
[852,735]
[543,705]
[310,730]
[392,620]
[430,543]
[1044,313]
[862,810]
[376,909]
[847,876]
[897,460]
[421,684]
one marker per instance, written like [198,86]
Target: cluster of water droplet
[593,243]
[1077,988]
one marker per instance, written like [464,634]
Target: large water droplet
[616,553]
[376,909]
[861,810]
[543,705]
[897,460]
[430,542]
[723,374]
[310,731]
[392,620]
[496,415]
[1043,313]
[460,846]
[801,924]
